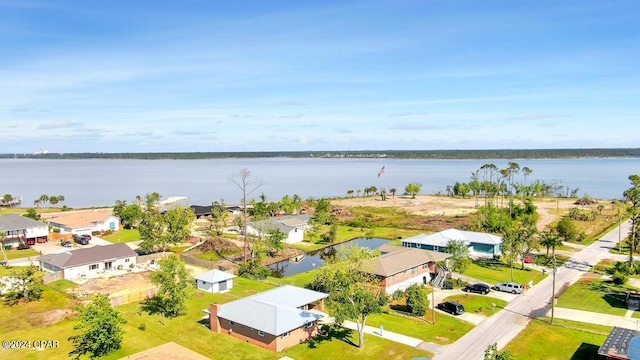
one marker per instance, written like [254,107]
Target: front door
[108,265]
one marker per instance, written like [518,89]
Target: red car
[528,260]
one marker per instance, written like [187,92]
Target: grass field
[562,341]
[493,272]
[446,330]
[18,254]
[478,304]
[301,279]
[123,236]
[595,295]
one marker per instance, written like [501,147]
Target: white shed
[214,281]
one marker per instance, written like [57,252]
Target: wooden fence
[51,277]
[191,260]
[133,296]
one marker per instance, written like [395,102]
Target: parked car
[81,240]
[451,307]
[478,288]
[65,243]
[87,236]
[510,287]
[529,259]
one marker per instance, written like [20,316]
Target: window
[260,333]
[232,323]
[308,325]
[414,271]
[126,260]
[93,267]
[285,334]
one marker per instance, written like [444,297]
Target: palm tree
[550,239]
[632,195]
[393,192]
[2,237]
[358,192]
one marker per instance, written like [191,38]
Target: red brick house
[400,267]
[275,319]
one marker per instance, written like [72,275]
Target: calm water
[99,182]
[315,259]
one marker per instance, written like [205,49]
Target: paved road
[506,324]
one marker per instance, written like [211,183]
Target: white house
[89,262]
[85,222]
[214,281]
[292,225]
[481,245]
[18,228]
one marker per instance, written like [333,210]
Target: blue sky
[147,76]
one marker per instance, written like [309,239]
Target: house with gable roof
[89,262]
[275,319]
[84,222]
[19,229]
[481,245]
[292,225]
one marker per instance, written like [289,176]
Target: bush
[417,300]
[254,270]
[142,327]
[622,267]
[619,278]
[455,283]
[397,295]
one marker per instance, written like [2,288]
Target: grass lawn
[189,330]
[492,272]
[346,233]
[563,340]
[478,304]
[123,236]
[446,330]
[17,254]
[595,295]
[300,279]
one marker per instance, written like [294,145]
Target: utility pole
[433,302]
[553,286]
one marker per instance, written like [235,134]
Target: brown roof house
[275,319]
[400,267]
[85,222]
[89,262]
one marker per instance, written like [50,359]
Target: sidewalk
[399,338]
[595,318]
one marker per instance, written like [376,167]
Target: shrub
[622,267]
[619,278]
[455,283]
[417,300]
[142,327]
[254,270]
[398,295]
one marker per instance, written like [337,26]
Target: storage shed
[214,281]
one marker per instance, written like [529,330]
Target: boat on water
[296,259]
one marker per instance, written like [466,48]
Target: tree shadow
[586,352]
[330,332]
[152,306]
[615,300]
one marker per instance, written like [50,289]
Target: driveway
[502,327]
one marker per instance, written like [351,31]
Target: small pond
[315,259]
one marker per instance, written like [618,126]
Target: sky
[190,76]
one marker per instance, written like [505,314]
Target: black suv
[478,288]
[80,240]
[451,307]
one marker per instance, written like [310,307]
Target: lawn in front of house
[123,236]
[478,304]
[564,340]
[493,272]
[446,330]
[19,254]
[597,295]
[300,279]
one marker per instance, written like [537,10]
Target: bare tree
[247,185]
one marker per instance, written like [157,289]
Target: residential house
[89,262]
[481,245]
[275,319]
[622,344]
[214,281]
[85,222]
[22,230]
[400,267]
[292,225]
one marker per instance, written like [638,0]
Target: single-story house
[89,262]
[214,281]
[275,319]
[292,225]
[481,245]
[19,229]
[85,222]
[621,344]
[400,267]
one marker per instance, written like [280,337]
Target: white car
[510,287]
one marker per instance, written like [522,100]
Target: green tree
[492,353]
[158,231]
[151,201]
[632,196]
[118,208]
[218,212]
[353,294]
[413,189]
[417,299]
[28,285]
[567,229]
[32,214]
[3,235]
[151,231]
[459,251]
[101,329]
[275,239]
[173,281]
[130,216]
[550,239]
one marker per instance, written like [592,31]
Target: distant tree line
[388,154]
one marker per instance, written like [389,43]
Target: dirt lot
[430,205]
[118,285]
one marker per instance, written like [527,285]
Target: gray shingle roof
[18,222]
[393,262]
[274,311]
[90,255]
[283,223]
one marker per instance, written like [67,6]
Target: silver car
[510,287]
